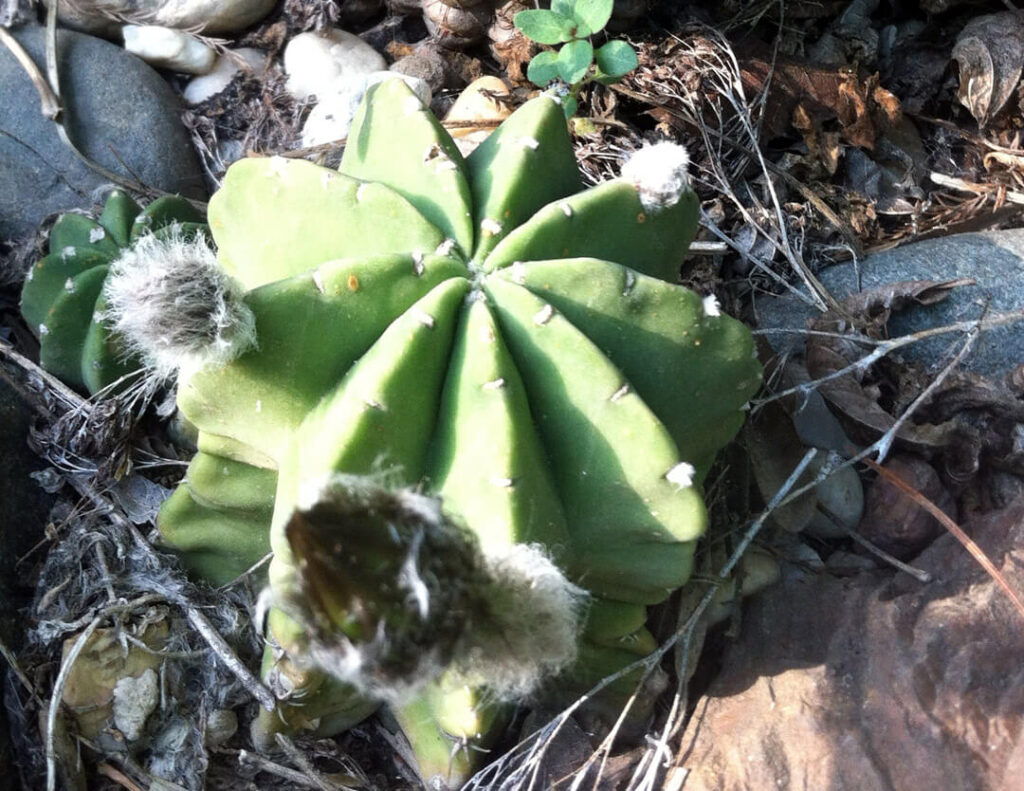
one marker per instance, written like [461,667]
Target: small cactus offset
[63,298]
[471,423]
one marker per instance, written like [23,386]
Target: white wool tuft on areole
[660,173]
[174,305]
[533,629]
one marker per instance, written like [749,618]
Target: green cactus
[63,301]
[480,330]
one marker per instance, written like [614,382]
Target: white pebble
[332,117]
[170,49]
[227,66]
[134,700]
[314,62]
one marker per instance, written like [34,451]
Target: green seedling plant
[62,299]
[464,404]
[576,63]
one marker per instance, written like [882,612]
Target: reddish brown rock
[875,683]
[895,522]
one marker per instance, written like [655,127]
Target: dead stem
[55,699]
[886,347]
[919,574]
[229,658]
[518,769]
[266,765]
[316,778]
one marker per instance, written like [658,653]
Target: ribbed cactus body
[62,299]
[483,331]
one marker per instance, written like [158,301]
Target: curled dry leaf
[828,355]
[510,47]
[990,55]
[809,97]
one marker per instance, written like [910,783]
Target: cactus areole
[469,377]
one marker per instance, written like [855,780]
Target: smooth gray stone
[995,259]
[118,111]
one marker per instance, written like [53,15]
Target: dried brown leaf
[990,54]
[807,97]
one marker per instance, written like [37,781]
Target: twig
[315,777]
[55,699]
[55,113]
[522,761]
[105,572]
[268,766]
[223,651]
[885,347]
[118,777]
[919,574]
[969,544]
[49,104]
[66,393]
[12,662]
[119,608]
[249,571]
[978,189]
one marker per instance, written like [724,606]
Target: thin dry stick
[229,658]
[196,618]
[919,574]
[521,762]
[49,104]
[54,95]
[5,652]
[55,700]
[118,777]
[679,702]
[882,444]
[266,765]
[976,552]
[306,767]
[885,347]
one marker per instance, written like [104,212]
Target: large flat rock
[876,682]
[119,112]
[995,259]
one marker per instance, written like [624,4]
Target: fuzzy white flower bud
[660,173]
[175,306]
[392,593]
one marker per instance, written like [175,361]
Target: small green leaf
[593,13]
[563,7]
[574,60]
[544,27]
[570,106]
[615,59]
[543,69]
